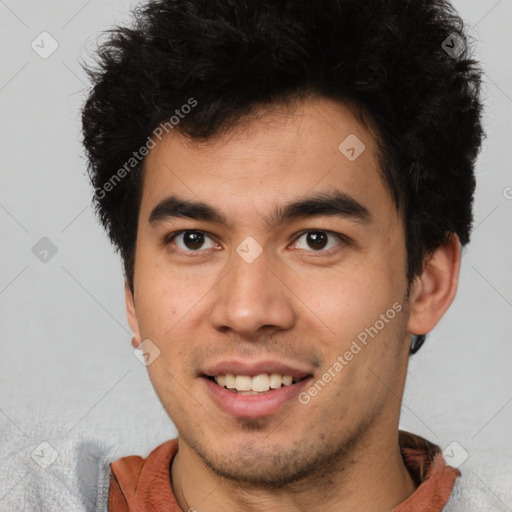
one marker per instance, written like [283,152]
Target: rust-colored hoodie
[144,485]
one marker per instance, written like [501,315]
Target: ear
[434,290]
[132,315]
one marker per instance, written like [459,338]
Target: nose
[252,297]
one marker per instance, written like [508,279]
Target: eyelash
[171,236]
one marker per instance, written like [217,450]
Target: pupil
[193,239]
[317,238]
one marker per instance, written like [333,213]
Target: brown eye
[189,240]
[318,240]
[193,239]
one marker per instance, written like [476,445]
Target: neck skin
[372,477]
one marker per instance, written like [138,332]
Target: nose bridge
[251,296]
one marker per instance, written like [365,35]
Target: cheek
[164,294]
[365,324]
[346,301]
[170,391]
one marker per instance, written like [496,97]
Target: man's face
[294,298]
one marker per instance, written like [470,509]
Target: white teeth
[252,385]
[276,380]
[230,381]
[243,383]
[287,380]
[260,382]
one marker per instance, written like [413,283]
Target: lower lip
[253,406]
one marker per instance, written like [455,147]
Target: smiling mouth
[256,385]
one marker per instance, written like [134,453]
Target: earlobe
[132,315]
[434,290]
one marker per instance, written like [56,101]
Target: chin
[263,464]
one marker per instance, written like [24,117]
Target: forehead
[278,155]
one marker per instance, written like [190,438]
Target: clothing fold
[144,484]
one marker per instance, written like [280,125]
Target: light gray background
[67,370]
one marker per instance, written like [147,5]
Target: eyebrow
[330,204]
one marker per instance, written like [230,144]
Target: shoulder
[482,487]
[57,474]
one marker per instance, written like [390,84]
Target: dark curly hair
[389,59]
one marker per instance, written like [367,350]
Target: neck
[371,477]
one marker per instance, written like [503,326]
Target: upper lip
[253,368]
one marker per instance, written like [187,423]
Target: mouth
[254,396]
[255,388]
[254,385]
